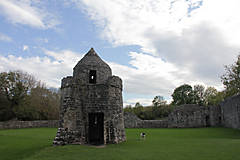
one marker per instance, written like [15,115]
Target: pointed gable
[92,59]
[89,64]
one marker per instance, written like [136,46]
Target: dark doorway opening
[92,76]
[96,128]
[207,121]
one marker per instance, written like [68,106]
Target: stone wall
[189,116]
[133,121]
[226,114]
[28,124]
[230,110]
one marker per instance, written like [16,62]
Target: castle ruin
[91,107]
[226,114]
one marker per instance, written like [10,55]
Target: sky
[153,45]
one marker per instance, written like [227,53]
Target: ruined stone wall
[133,121]
[230,110]
[28,124]
[188,116]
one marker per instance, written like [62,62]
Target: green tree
[231,79]
[128,108]
[158,101]
[158,105]
[218,98]
[148,113]
[25,98]
[5,109]
[210,96]
[183,95]
[46,101]
[15,86]
[198,94]
[138,110]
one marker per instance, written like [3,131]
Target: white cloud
[195,37]
[25,47]
[126,22]
[4,37]
[148,75]
[186,41]
[142,101]
[49,69]
[27,12]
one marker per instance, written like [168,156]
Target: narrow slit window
[92,76]
[95,120]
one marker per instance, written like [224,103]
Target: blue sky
[154,46]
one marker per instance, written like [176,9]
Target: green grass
[195,143]
[18,144]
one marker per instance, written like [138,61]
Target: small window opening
[92,76]
[95,120]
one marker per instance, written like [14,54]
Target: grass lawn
[194,143]
[18,144]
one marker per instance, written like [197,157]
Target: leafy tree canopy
[183,95]
[24,98]
[231,79]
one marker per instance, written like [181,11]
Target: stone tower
[91,108]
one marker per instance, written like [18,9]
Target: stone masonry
[230,110]
[91,107]
[226,114]
[28,124]
[133,121]
[191,115]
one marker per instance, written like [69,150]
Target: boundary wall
[28,124]
[226,114]
[133,121]
[192,116]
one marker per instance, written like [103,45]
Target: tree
[138,110]
[5,111]
[198,94]
[158,101]
[210,96]
[128,108]
[183,95]
[157,109]
[45,100]
[25,98]
[15,86]
[231,79]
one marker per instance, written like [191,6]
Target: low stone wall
[130,121]
[191,115]
[154,124]
[226,114]
[28,124]
[133,121]
[230,110]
